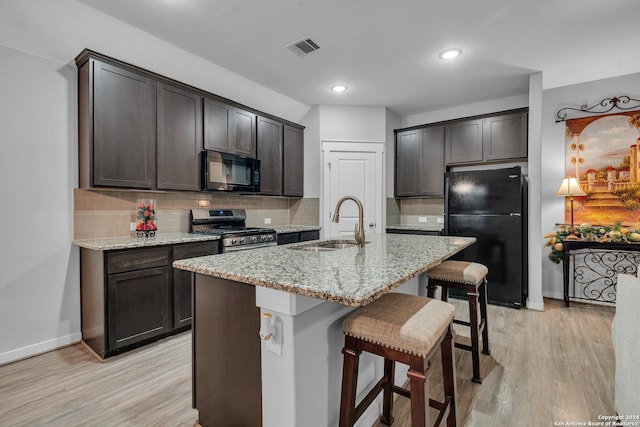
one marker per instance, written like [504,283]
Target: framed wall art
[603,153]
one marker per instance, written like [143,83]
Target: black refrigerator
[491,205]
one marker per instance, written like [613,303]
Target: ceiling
[386,51]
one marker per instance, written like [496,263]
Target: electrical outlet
[267,220]
[132,226]
[422,219]
[440,220]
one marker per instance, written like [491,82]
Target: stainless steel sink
[326,245]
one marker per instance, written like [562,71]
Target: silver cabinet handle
[372,224]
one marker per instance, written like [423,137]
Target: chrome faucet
[359,232]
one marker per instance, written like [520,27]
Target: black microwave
[229,172]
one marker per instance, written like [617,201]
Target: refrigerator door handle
[514,176]
[515,214]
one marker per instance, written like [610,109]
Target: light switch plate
[422,219]
[132,226]
[267,220]
[440,220]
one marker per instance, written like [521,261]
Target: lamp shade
[570,187]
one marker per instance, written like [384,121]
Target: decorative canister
[146,218]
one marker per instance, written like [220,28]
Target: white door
[358,174]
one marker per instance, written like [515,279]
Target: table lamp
[571,188]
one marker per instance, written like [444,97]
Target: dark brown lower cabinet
[137,306]
[183,280]
[298,236]
[132,297]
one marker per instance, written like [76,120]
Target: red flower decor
[146,219]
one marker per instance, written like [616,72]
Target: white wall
[461,111]
[393,122]
[39,39]
[39,292]
[349,123]
[534,299]
[312,148]
[553,155]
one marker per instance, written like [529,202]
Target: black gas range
[230,225]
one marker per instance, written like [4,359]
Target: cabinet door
[505,136]
[179,138]
[432,162]
[464,142]
[137,306]
[293,162]
[408,154]
[124,148]
[217,118]
[269,146]
[242,139]
[183,280]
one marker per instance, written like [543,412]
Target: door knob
[372,224]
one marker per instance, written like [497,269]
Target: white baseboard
[535,305]
[39,348]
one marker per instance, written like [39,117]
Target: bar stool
[472,278]
[407,329]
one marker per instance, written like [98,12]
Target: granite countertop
[112,243]
[418,227]
[350,276]
[281,229]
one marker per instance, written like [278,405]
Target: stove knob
[254,239]
[270,237]
[234,241]
[263,237]
[242,240]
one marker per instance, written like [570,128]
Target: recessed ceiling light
[338,88]
[450,54]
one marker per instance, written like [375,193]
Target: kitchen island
[294,377]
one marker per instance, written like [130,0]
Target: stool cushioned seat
[401,322]
[467,272]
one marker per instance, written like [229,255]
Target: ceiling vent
[303,47]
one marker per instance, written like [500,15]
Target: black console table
[601,263]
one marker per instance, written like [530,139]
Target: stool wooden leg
[419,387]
[349,382]
[483,317]
[387,399]
[449,375]
[472,297]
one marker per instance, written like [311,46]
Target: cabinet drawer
[309,235]
[284,238]
[191,250]
[137,259]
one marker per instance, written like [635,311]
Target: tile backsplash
[410,211]
[109,213]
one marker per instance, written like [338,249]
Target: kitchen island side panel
[227,384]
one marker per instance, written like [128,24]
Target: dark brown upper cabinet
[141,130]
[229,129]
[293,162]
[269,146]
[505,136]
[420,162]
[489,139]
[179,138]
[217,116]
[464,142]
[117,133]
[243,132]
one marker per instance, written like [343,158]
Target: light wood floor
[555,365]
